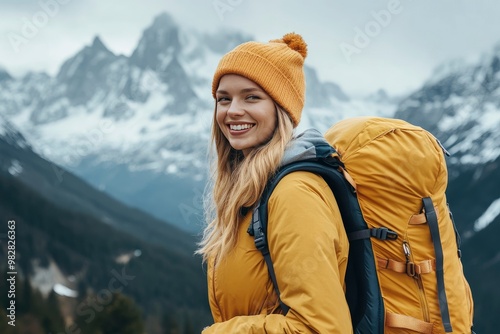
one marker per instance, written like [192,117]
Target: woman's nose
[236,108]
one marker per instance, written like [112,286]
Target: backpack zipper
[410,271]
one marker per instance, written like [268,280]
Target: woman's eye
[222,99]
[253,97]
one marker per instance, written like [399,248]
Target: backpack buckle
[257,231]
[410,269]
[391,235]
[260,241]
[383,233]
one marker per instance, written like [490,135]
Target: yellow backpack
[404,270]
[400,174]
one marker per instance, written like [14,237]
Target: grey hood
[308,145]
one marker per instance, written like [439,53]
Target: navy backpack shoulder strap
[362,288]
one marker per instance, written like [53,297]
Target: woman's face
[245,113]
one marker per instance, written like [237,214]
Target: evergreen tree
[24,296]
[121,316]
[52,320]
[4,286]
[170,324]
[5,328]
[188,326]
[38,303]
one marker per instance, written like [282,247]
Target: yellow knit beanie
[277,67]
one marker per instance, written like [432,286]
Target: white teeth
[240,127]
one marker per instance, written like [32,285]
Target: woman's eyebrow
[244,90]
[252,89]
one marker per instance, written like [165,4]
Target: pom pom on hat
[277,67]
[294,42]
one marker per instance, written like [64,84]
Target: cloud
[398,58]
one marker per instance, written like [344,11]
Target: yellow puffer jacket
[309,248]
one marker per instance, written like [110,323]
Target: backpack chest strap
[412,269]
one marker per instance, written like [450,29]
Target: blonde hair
[238,182]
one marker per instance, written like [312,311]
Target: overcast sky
[361,45]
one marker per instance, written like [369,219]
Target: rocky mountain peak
[98,46]
[89,58]
[159,41]
[164,20]
[83,73]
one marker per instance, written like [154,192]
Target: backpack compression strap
[432,220]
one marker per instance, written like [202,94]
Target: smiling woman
[246,114]
[259,91]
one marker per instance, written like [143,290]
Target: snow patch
[65,291]
[45,279]
[74,65]
[15,168]
[488,216]
[126,257]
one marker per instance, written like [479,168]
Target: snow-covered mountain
[138,126]
[460,104]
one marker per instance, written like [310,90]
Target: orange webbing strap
[348,177]
[420,218]
[407,322]
[424,267]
